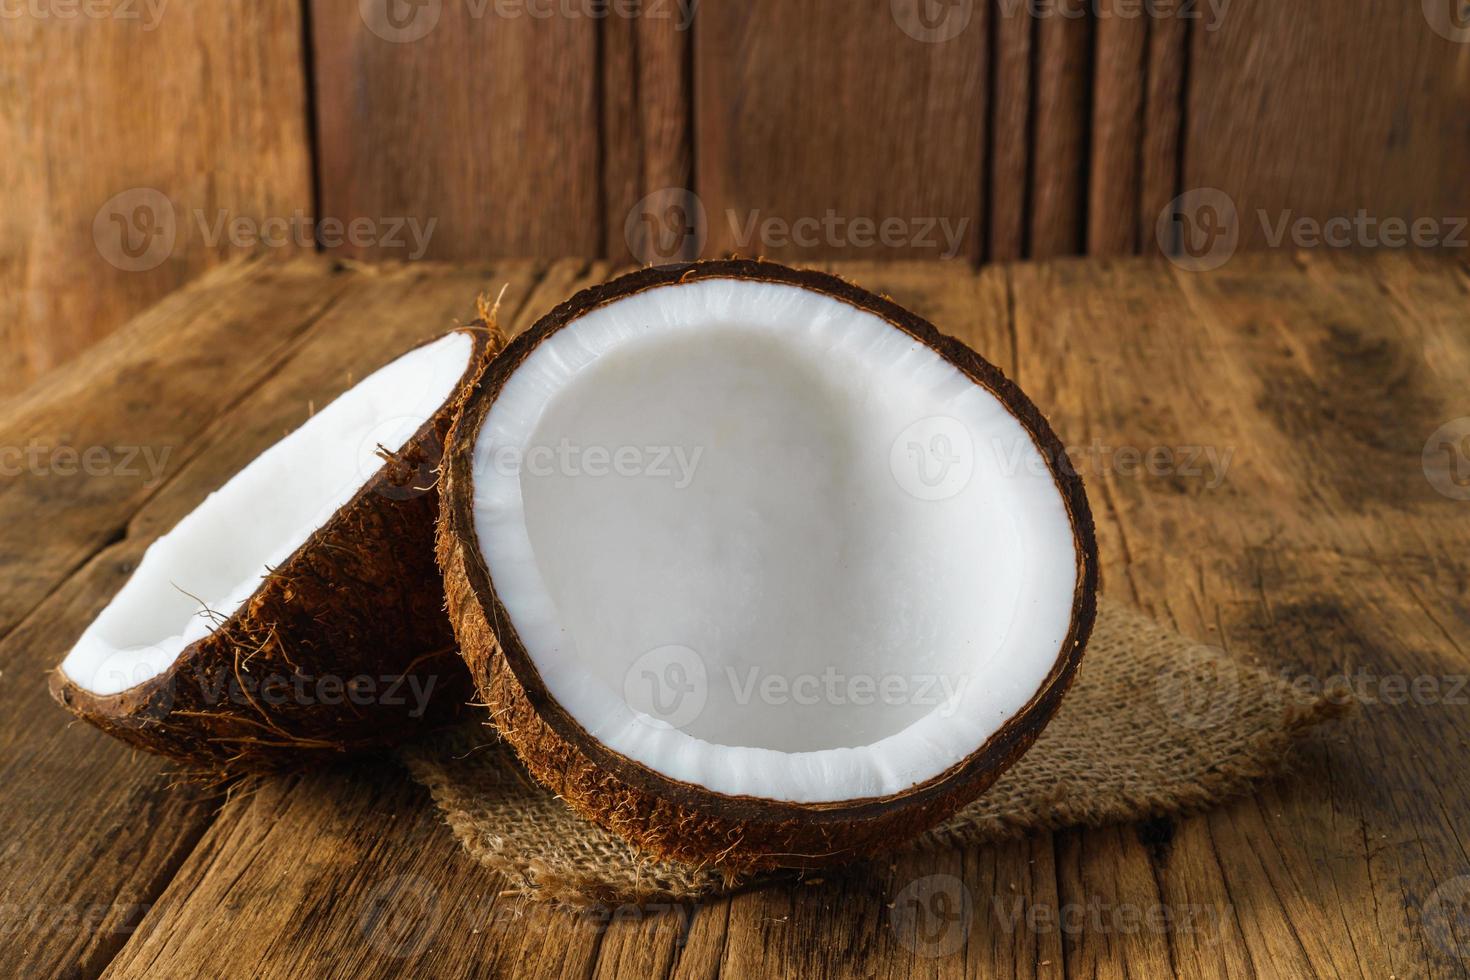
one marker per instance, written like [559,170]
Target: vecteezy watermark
[1200,230]
[1446,459]
[401,916]
[1445,917]
[214,687]
[135,230]
[669,687]
[1200,689]
[677,464]
[933,459]
[672,225]
[754,231]
[397,232]
[669,225]
[138,229]
[932,916]
[1450,19]
[932,21]
[1211,13]
[937,21]
[403,21]
[129,462]
[1096,915]
[145,13]
[22,920]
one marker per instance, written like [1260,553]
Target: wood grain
[1058,203]
[481,118]
[1271,122]
[647,126]
[129,132]
[882,127]
[1313,539]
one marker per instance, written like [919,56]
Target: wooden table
[1317,538]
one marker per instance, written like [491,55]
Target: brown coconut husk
[344,647]
[679,821]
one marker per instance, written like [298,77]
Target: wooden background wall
[1010,129]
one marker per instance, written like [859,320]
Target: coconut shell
[344,647]
[676,820]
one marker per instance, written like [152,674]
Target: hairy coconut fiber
[345,646]
[1155,725]
[676,820]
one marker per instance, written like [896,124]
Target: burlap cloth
[1154,724]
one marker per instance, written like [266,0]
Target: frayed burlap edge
[1156,724]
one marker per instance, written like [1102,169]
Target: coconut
[297,612]
[755,568]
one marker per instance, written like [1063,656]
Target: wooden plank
[647,124]
[1060,131]
[1009,176]
[1119,89]
[148,119]
[1301,112]
[425,112]
[1160,158]
[887,125]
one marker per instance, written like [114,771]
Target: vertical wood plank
[1163,122]
[647,131]
[1059,176]
[822,133]
[128,133]
[1009,178]
[1306,108]
[481,118]
[1119,82]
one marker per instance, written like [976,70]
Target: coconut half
[298,608]
[755,568]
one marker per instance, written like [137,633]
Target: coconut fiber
[1155,724]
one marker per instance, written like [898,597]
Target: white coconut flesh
[764,542]
[198,574]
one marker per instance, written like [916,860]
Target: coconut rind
[360,599]
[679,821]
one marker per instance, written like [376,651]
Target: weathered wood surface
[131,135]
[1313,537]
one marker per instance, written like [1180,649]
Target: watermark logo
[932,916]
[400,21]
[1200,689]
[408,472]
[1445,916]
[932,21]
[401,916]
[1447,459]
[1199,230]
[667,687]
[668,226]
[135,230]
[148,13]
[1450,19]
[933,459]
